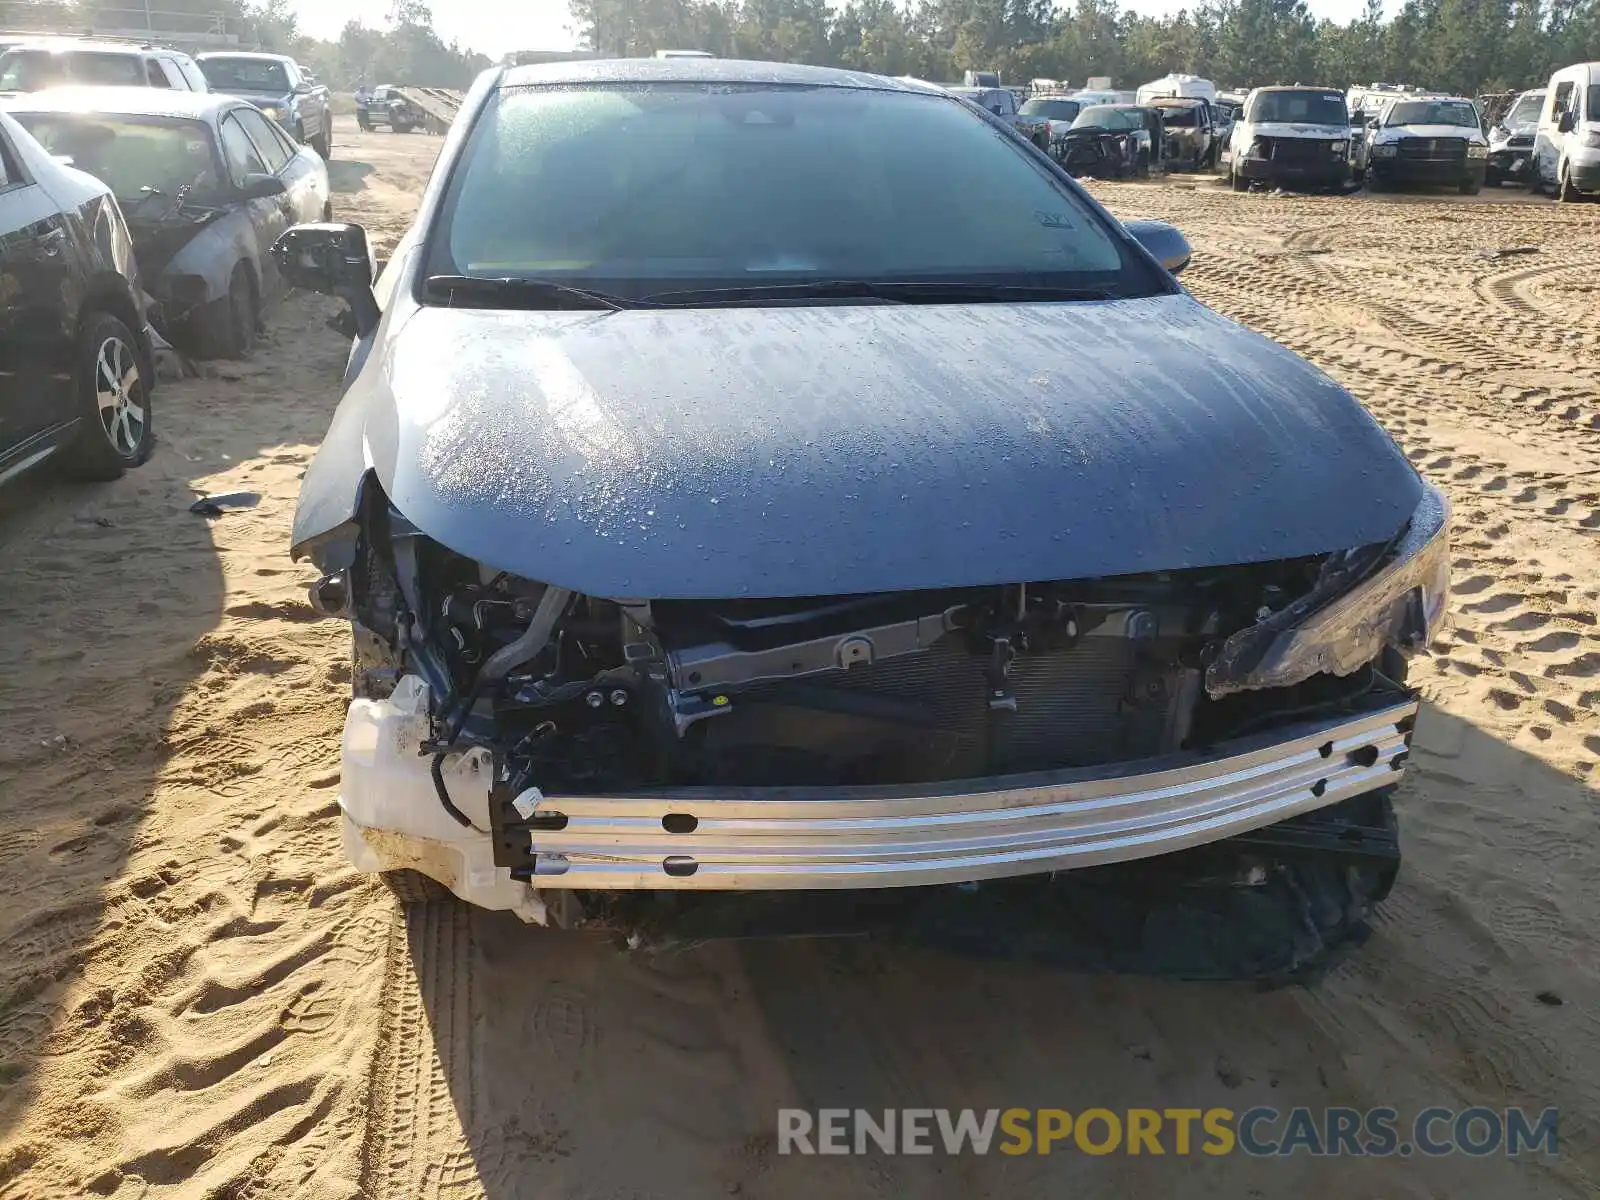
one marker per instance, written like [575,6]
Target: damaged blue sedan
[759,479]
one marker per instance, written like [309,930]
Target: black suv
[76,363]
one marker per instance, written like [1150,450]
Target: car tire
[1238,182]
[113,402]
[1565,192]
[1471,187]
[226,328]
[1491,179]
[413,887]
[323,142]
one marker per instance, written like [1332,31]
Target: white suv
[52,62]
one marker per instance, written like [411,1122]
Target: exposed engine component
[590,695]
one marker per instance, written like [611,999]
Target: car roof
[61,45]
[125,101]
[704,70]
[1307,87]
[254,55]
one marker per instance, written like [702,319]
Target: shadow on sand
[107,594]
[347,175]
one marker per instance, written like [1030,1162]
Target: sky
[496,27]
[493,26]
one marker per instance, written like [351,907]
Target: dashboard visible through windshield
[637,191]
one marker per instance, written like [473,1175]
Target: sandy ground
[198,998]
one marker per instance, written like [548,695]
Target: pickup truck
[279,87]
[385,105]
[1002,102]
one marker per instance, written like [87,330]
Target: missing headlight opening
[576,696]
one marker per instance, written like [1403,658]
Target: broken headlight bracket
[1400,603]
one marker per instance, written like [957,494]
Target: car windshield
[1594,102]
[35,70]
[1185,116]
[131,155]
[1526,110]
[1433,112]
[245,75]
[1298,107]
[1102,117]
[1051,110]
[637,190]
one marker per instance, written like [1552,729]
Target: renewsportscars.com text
[1258,1132]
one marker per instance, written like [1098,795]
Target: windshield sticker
[1333,99]
[1053,220]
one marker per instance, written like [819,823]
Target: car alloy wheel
[119,393]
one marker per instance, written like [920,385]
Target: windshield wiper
[920,292]
[524,293]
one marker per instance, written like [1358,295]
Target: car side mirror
[302,88]
[260,187]
[1164,242]
[334,260]
[1565,124]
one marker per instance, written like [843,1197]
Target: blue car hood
[812,450]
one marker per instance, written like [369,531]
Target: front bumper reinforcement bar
[864,837]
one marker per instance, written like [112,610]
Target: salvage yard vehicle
[207,184]
[1002,102]
[1567,144]
[76,355]
[1291,137]
[1511,153]
[1110,141]
[842,529]
[109,62]
[1437,140]
[281,89]
[1057,113]
[387,107]
[1188,134]
[1225,110]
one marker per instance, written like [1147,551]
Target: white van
[1291,136]
[1567,146]
[1177,87]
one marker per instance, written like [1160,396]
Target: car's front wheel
[113,402]
[226,328]
[1565,192]
[413,887]
[323,142]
